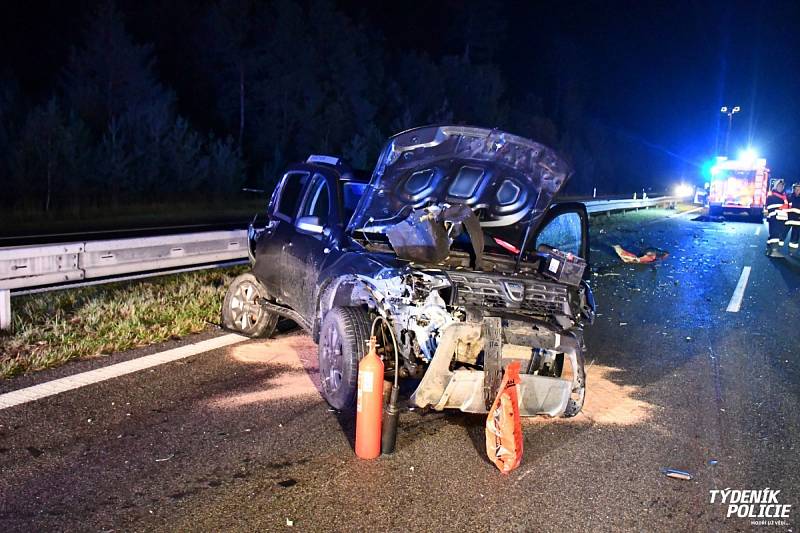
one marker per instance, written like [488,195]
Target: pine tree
[53,155]
[109,76]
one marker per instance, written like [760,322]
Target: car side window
[317,202]
[291,189]
[564,232]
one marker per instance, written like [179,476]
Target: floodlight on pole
[730,112]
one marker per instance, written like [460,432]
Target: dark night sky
[656,72]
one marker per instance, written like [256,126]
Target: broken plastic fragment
[674,473]
[650,255]
[507,245]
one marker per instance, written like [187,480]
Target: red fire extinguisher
[369,404]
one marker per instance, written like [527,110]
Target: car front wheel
[342,344]
[242,311]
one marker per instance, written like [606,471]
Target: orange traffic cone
[369,404]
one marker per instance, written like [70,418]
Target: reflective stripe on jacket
[777,205]
[794,210]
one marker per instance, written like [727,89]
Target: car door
[306,253]
[272,242]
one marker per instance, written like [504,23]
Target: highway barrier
[28,269]
[40,268]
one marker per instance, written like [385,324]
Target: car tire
[342,343]
[241,310]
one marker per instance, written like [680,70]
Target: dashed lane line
[57,386]
[736,300]
[758,231]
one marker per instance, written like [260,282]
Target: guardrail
[55,266]
[608,206]
[27,269]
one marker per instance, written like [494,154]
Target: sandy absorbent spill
[607,402]
[294,357]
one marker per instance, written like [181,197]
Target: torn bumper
[465,389]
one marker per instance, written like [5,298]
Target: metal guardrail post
[5,309]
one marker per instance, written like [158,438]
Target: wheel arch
[343,291]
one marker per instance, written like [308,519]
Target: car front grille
[526,295]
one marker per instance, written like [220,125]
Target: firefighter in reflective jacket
[777,212]
[794,220]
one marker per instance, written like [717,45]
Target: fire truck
[738,185]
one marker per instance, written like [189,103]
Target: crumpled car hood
[505,178]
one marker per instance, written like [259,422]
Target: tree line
[276,81]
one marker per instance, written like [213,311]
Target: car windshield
[352,193]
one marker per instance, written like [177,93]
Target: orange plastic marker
[503,427]
[369,404]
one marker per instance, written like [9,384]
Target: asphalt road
[239,438]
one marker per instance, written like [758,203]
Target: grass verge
[52,328]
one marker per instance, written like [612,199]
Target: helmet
[796,185]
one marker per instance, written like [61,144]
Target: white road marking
[57,386]
[736,300]
[758,231]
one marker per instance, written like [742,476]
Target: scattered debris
[674,473]
[289,522]
[165,458]
[286,483]
[36,452]
[623,323]
[713,462]
[650,255]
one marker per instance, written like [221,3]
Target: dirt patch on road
[607,402]
[295,357]
[292,359]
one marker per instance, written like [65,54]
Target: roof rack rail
[323,159]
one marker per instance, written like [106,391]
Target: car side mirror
[310,225]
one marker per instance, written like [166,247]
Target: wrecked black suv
[455,241]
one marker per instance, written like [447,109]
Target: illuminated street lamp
[730,111]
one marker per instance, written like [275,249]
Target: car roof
[343,169]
